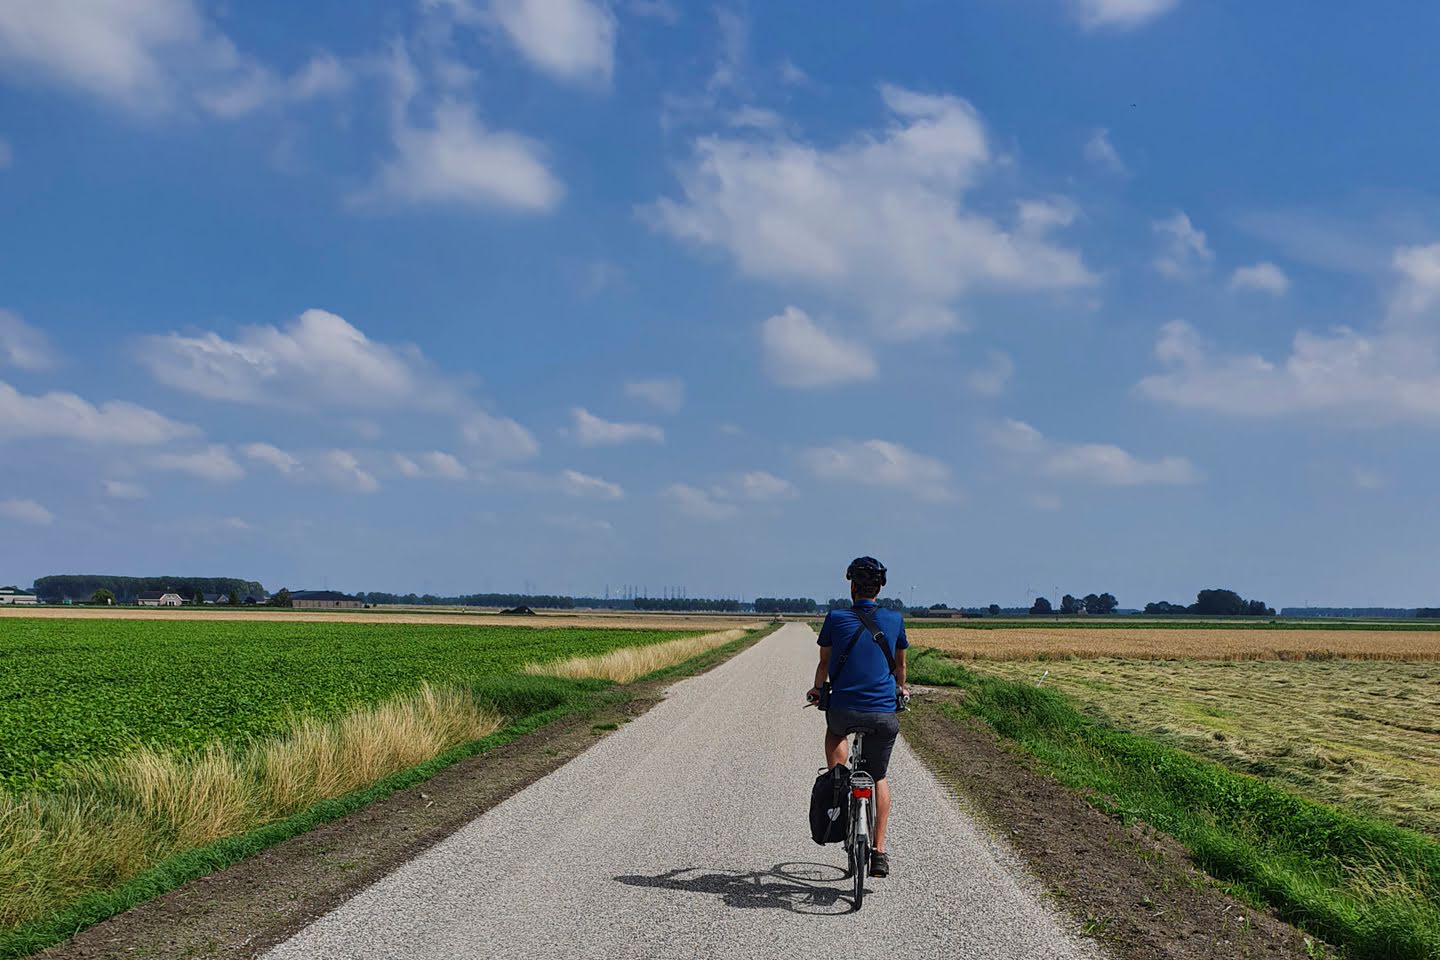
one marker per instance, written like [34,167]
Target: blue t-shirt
[865,684]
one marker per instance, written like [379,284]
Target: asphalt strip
[683,835]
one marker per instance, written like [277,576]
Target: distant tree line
[1428,613]
[1214,603]
[83,587]
[1389,613]
[705,606]
[1097,604]
[885,603]
[785,605]
[543,601]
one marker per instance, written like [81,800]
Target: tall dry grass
[118,816]
[629,663]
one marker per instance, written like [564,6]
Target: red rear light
[861,793]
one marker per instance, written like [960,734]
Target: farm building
[14,596]
[160,598]
[324,600]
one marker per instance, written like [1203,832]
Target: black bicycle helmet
[866,571]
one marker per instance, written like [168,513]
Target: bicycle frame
[859,832]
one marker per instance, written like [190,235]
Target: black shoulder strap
[840,664]
[877,635]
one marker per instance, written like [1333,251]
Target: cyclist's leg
[837,749]
[877,761]
[882,813]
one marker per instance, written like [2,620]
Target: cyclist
[865,693]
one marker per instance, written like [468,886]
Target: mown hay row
[118,816]
[630,663]
[1164,644]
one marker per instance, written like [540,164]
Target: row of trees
[84,587]
[705,606]
[1091,603]
[543,601]
[1214,603]
[785,605]
[886,603]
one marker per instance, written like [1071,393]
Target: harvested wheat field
[1364,735]
[1032,643]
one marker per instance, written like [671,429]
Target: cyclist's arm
[822,669]
[900,670]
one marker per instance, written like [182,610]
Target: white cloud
[1183,250]
[22,345]
[656,9]
[435,465]
[800,353]
[664,393]
[213,463]
[1096,462]
[499,438]
[1035,217]
[572,40]
[272,455]
[319,358]
[880,463]
[342,469]
[758,485]
[457,160]
[991,379]
[879,220]
[1419,269]
[592,431]
[146,56]
[1101,153]
[67,416]
[234,523]
[124,490]
[26,511]
[698,503]
[1263,277]
[1121,14]
[576,484]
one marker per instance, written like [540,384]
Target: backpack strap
[876,634]
[840,665]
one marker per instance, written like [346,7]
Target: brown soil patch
[1130,888]
[588,620]
[1027,643]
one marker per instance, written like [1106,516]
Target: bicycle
[862,817]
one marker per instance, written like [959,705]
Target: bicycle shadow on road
[797,887]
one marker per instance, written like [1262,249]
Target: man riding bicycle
[864,694]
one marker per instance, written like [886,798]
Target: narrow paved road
[683,835]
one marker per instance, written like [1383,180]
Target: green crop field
[1164,623]
[79,689]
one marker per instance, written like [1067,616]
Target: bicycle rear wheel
[859,865]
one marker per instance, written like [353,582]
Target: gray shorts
[875,751]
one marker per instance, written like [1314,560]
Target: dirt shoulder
[245,909]
[1130,888]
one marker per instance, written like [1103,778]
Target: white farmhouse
[14,596]
[160,598]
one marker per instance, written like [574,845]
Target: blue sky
[460,295]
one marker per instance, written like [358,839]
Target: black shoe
[879,864]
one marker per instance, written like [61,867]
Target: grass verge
[631,663]
[1367,886]
[532,702]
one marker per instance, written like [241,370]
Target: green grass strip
[1176,623]
[1362,884]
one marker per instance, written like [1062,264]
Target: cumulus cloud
[26,511]
[272,455]
[343,470]
[456,159]
[1263,277]
[1101,153]
[880,463]
[146,56]
[123,490]
[799,353]
[754,485]
[22,345]
[1101,463]
[1120,14]
[340,468]
[880,220]
[1183,249]
[593,431]
[214,463]
[1039,216]
[573,483]
[699,503]
[435,465]
[1419,289]
[666,394]
[318,358]
[67,416]
[572,40]
[991,379]
[499,438]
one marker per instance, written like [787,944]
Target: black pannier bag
[830,805]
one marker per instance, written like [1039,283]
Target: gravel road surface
[684,835]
